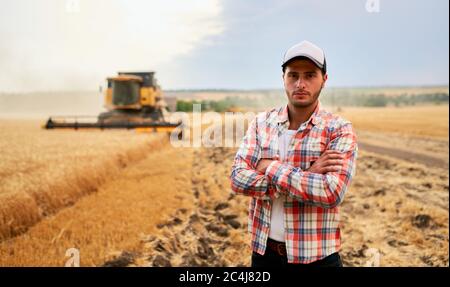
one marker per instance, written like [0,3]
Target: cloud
[45,46]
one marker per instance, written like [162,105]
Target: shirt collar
[283,115]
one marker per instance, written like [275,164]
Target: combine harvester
[133,101]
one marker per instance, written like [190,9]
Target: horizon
[241,90]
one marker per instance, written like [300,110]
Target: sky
[52,45]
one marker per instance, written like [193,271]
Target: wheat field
[42,171]
[419,121]
[127,199]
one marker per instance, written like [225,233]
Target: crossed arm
[323,184]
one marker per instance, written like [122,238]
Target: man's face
[303,81]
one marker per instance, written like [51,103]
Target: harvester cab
[133,100]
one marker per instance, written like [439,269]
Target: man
[296,162]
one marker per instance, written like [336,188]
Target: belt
[277,247]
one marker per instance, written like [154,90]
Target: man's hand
[329,161]
[263,164]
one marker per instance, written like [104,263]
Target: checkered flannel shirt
[311,208]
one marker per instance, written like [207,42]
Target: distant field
[44,104]
[423,121]
[388,91]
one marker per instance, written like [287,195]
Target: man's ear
[325,78]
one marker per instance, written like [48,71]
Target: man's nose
[300,83]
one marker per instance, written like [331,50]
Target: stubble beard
[315,97]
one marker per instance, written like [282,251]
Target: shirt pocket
[268,152]
[269,145]
[307,152]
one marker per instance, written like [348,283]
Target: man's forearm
[247,180]
[325,190]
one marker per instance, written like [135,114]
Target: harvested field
[134,200]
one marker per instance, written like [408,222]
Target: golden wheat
[422,121]
[112,219]
[42,171]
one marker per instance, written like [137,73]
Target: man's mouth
[301,93]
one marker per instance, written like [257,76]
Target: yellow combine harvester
[133,101]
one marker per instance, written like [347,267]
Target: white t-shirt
[277,215]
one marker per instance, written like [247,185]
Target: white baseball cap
[308,50]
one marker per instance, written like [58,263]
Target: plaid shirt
[311,214]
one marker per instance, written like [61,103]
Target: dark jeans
[273,259]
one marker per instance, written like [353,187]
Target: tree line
[267,100]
